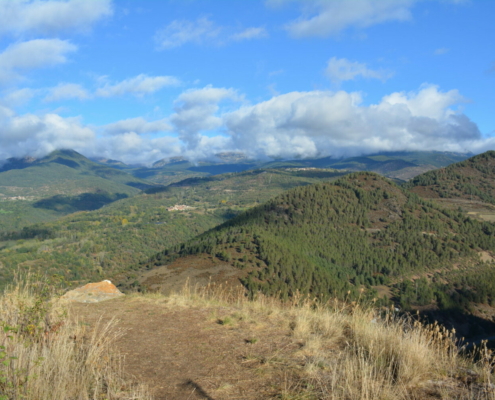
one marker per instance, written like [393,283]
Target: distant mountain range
[396,165]
[66,181]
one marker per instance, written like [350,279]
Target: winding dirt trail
[187,353]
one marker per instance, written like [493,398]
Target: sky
[143,80]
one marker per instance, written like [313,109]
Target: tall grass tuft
[354,352]
[46,354]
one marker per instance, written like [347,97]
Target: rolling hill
[468,186]
[113,239]
[361,237]
[58,184]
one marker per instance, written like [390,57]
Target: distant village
[179,207]
[2,197]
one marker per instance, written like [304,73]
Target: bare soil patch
[199,353]
[197,270]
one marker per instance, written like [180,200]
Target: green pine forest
[346,238]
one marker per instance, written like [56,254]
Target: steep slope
[335,239]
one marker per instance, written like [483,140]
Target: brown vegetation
[45,354]
[213,343]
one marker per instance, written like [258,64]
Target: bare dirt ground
[197,270]
[198,353]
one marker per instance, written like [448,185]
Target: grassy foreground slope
[337,239]
[255,349]
[215,343]
[45,353]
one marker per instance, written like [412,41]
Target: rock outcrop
[94,292]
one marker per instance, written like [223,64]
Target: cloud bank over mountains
[159,102]
[297,124]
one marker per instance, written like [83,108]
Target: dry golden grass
[351,352]
[345,351]
[45,354]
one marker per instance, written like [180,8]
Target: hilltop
[217,344]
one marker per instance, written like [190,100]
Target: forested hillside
[472,179]
[347,239]
[91,245]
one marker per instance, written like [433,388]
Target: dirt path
[198,353]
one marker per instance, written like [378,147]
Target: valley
[287,228]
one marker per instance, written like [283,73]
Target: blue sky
[143,80]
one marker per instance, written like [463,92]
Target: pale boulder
[93,292]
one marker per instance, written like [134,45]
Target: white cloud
[310,124]
[250,33]
[137,125]
[324,18]
[18,97]
[65,91]
[201,32]
[132,148]
[427,102]
[341,69]
[38,135]
[195,111]
[297,124]
[33,54]
[50,17]
[137,86]
[180,32]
